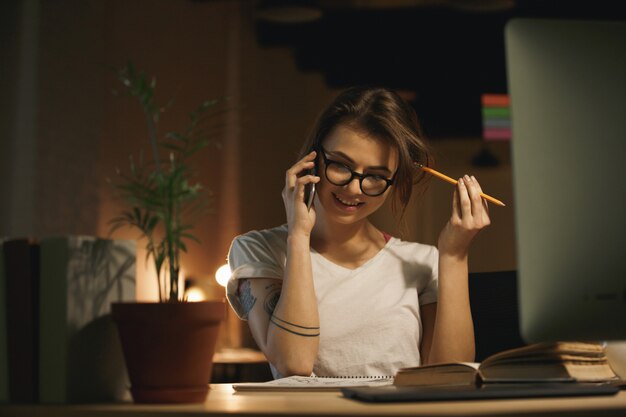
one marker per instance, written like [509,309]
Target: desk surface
[222,400]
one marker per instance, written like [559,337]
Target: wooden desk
[223,401]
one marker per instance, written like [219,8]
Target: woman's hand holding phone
[309,192]
[300,217]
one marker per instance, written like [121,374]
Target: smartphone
[309,191]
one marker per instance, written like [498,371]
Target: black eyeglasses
[340,174]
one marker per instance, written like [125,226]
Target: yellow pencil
[453,181]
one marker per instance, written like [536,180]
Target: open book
[542,362]
[313,383]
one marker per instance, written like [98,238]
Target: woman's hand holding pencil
[470,214]
[455,182]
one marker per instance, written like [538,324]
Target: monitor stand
[616,353]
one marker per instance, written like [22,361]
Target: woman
[330,294]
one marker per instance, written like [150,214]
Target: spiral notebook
[315,383]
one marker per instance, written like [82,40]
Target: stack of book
[541,362]
[57,341]
[496,116]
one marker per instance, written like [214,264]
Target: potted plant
[168,345]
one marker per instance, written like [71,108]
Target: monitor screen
[567,82]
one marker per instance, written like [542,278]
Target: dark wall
[446,56]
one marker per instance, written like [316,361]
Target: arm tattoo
[294,325]
[246,298]
[269,305]
[272,298]
[293,331]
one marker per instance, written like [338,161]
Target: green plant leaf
[162,195]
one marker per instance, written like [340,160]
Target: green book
[496,112]
[81,358]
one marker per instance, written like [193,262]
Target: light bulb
[222,275]
[195,294]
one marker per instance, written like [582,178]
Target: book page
[450,373]
[441,367]
[313,383]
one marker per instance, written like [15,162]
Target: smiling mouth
[346,202]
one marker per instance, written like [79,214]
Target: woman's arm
[286,327]
[452,326]
[283,316]
[453,329]
[428,313]
[291,349]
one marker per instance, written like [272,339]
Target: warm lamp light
[195,294]
[222,275]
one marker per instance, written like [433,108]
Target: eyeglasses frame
[354,174]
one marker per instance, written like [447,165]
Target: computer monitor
[567,83]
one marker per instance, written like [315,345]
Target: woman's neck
[349,245]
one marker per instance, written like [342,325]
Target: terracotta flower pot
[168,348]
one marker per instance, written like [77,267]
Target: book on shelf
[81,357]
[21,278]
[4,359]
[314,383]
[541,362]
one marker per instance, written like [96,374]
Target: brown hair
[382,114]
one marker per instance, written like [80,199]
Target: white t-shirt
[369,316]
